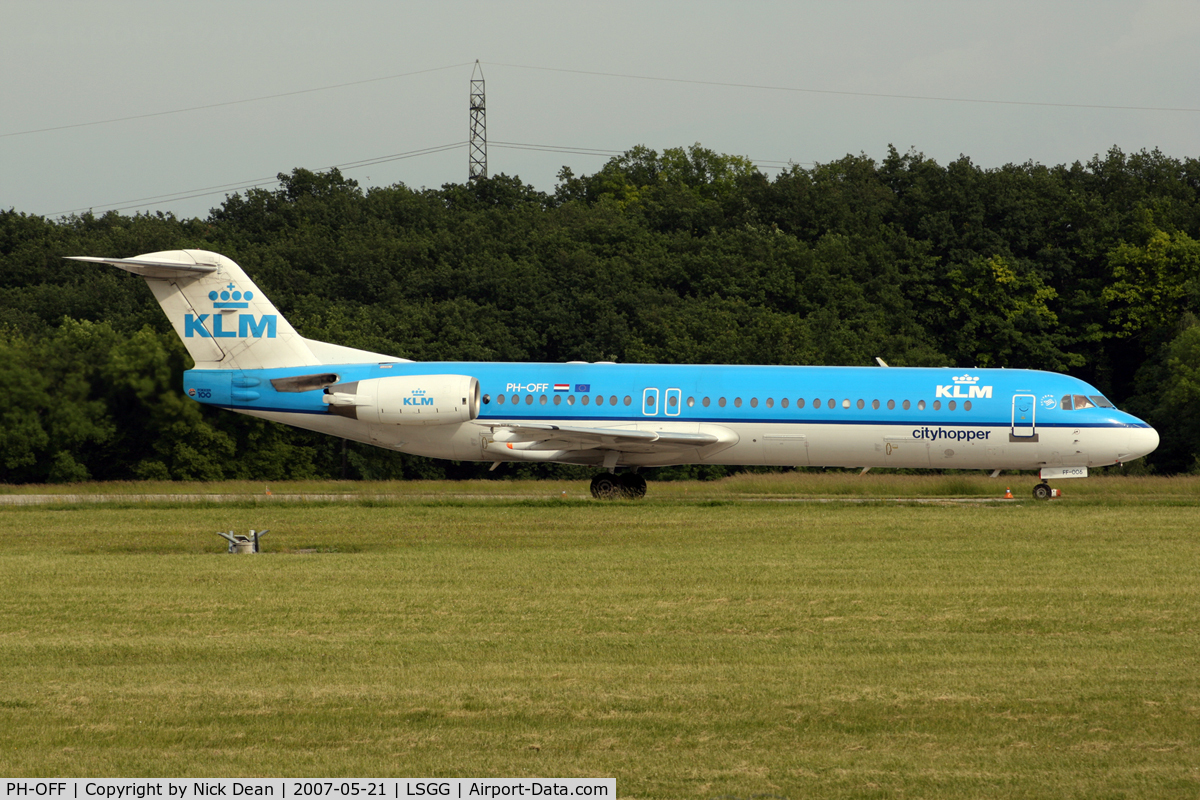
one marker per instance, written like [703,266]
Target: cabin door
[1024,408]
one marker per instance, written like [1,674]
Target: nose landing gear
[607,486]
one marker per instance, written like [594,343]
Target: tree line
[683,256]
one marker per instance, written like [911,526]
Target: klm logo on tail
[248,326]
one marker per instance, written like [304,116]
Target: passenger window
[528,399]
[1102,402]
[672,400]
[585,399]
[783,403]
[737,402]
[542,400]
[770,402]
[1066,402]
[800,402]
[907,405]
[951,405]
[600,400]
[937,405]
[721,402]
[754,402]
[920,405]
[705,402]
[570,399]
[558,399]
[892,404]
[817,403]
[861,403]
[1082,402]
[875,404]
[691,402]
[629,400]
[612,401]
[500,399]
[966,405]
[846,403]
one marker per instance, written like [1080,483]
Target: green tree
[1176,414]
[1001,316]
[1153,283]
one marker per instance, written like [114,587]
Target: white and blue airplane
[250,360]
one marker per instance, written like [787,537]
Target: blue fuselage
[830,416]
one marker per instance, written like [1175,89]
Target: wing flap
[610,437]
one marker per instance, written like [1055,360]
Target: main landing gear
[607,486]
[1043,492]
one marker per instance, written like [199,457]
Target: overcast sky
[814,81]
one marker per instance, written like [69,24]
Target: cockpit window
[1078,401]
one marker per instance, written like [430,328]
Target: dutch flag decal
[562,387]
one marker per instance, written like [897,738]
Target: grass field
[803,484]
[706,642]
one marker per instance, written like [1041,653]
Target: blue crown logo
[230,297]
[418,392]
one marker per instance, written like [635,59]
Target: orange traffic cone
[1008,493]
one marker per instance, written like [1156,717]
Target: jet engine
[407,399]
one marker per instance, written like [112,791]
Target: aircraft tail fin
[223,318]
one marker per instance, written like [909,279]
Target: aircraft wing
[614,438]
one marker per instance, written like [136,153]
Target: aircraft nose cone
[1144,441]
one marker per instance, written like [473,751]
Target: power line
[189,194]
[551,148]
[846,93]
[725,84]
[229,103]
[768,163]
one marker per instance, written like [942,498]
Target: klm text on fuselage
[972,393]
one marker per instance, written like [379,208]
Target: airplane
[248,359]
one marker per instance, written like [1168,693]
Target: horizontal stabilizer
[164,270]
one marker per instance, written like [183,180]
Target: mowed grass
[804,483]
[689,648]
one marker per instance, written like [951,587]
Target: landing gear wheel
[605,487]
[1041,491]
[633,485]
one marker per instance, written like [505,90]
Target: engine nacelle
[407,399]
